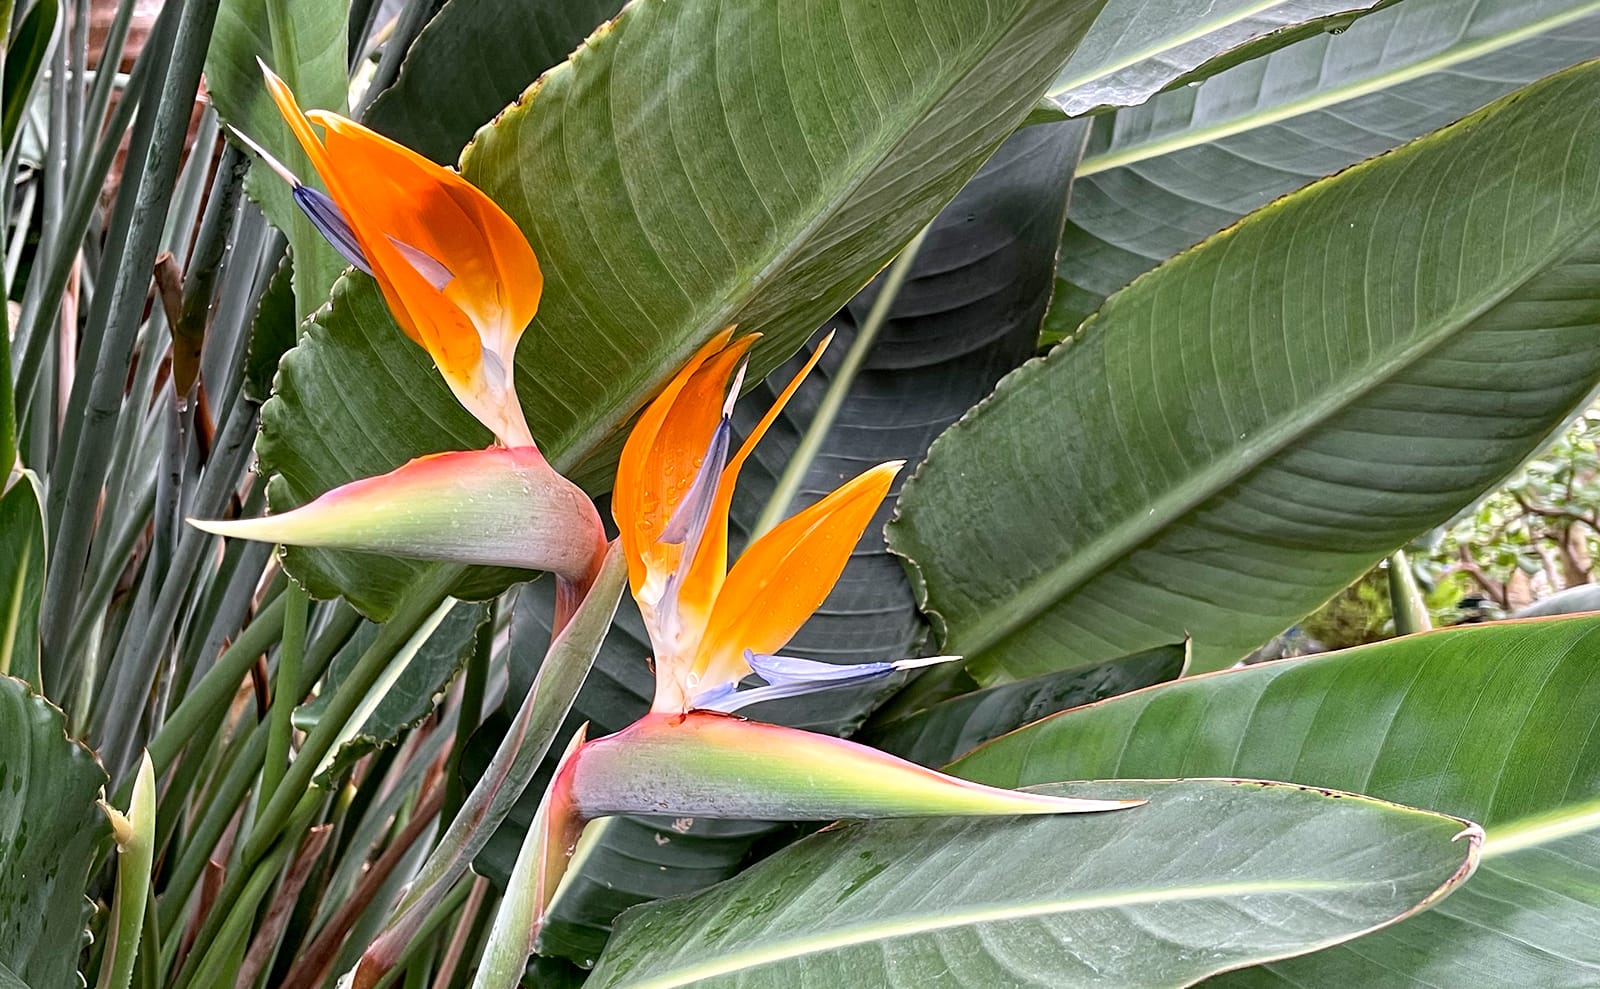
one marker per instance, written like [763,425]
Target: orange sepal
[785,576]
[389,191]
[456,272]
[664,451]
[704,580]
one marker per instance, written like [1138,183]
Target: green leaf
[1161,177]
[309,53]
[52,831]
[1138,48]
[1250,427]
[954,727]
[968,313]
[22,578]
[23,58]
[8,402]
[435,105]
[1082,900]
[671,190]
[414,692]
[1499,723]
[272,333]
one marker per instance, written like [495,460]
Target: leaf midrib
[1133,153]
[1061,88]
[1541,830]
[1009,614]
[864,933]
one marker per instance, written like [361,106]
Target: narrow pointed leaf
[23,58]
[662,212]
[1498,723]
[1093,900]
[1336,384]
[1161,177]
[52,832]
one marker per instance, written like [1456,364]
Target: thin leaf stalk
[1410,608]
[285,694]
[214,956]
[94,409]
[470,708]
[794,473]
[420,600]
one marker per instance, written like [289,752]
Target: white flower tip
[919,663]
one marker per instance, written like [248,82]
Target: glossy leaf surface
[1498,723]
[1250,427]
[1161,177]
[1079,900]
[52,832]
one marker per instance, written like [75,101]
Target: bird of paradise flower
[463,282]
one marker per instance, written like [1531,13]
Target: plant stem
[136,838]
[420,601]
[1405,597]
[449,905]
[471,709]
[219,683]
[285,695]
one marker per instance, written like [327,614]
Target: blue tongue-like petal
[330,221]
[792,669]
[791,676]
[688,523]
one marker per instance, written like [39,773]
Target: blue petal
[330,221]
[793,669]
[789,676]
[688,523]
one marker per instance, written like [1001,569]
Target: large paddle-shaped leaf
[51,831]
[473,58]
[968,313]
[1498,723]
[941,732]
[1248,428]
[1163,176]
[1210,875]
[757,174]
[309,51]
